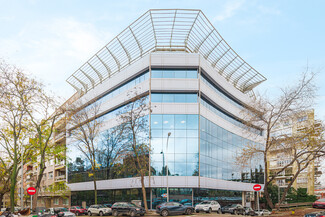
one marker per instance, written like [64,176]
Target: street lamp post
[169,133]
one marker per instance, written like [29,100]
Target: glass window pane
[192,133]
[191,98]
[180,98]
[168,97]
[156,133]
[180,145]
[168,122]
[191,74]
[180,74]
[180,121]
[192,145]
[156,145]
[168,74]
[156,73]
[156,97]
[192,122]
[156,121]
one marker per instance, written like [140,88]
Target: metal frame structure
[166,30]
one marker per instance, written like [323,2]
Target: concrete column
[243,199]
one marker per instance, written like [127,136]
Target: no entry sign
[31,191]
[257,187]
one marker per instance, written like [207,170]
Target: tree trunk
[13,182]
[1,198]
[144,193]
[288,187]
[95,187]
[35,198]
[266,183]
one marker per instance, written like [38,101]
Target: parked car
[235,209]
[173,208]
[99,210]
[315,214]
[58,211]
[263,212]
[125,208]
[319,203]
[108,205]
[78,210]
[249,211]
[208,206]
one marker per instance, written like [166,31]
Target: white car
[56,210]
[263,212]
[208,206]
[99,210]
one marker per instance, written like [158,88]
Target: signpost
[257,188]
[31,191]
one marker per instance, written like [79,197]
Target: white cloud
[229,10]
[53,50]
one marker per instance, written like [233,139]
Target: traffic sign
[257,187]
[31,191]
[164,195]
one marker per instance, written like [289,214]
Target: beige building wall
[280,156]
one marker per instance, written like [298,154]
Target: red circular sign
[257,187]
[31,191]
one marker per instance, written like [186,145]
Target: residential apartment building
[279,156]
[53,191]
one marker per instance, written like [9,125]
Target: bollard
[292,212]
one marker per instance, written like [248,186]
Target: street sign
[164,195]
[257,187]
[31,191]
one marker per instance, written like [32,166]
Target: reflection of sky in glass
[218,151]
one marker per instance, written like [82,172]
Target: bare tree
[112,145]
[86,126]
[266,114]
[134,122]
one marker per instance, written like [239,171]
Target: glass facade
[174,97]
[174,73]
[227,117]
[180,144]
[182,151]
[218,149]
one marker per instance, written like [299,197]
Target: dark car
[249,211]
[173,208]
[125,208]
[78,210]
[315,214]
[235,209]
[319,203]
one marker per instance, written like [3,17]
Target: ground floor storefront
[155,196]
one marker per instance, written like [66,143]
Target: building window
[65,201]
[301,119]
[174,73]
[56,201]
[174,97]
[50,175]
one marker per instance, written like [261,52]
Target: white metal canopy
[166,30]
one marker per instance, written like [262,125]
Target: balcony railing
[59,136]
[60,178]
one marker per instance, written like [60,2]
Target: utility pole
[22,184]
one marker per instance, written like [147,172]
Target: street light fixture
[169,133]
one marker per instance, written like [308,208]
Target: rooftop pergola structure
[166,30]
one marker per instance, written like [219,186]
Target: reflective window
[181,148]
[174,97]
[218,151]
[174,73]
[127,86]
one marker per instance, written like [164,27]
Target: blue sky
[51,39]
